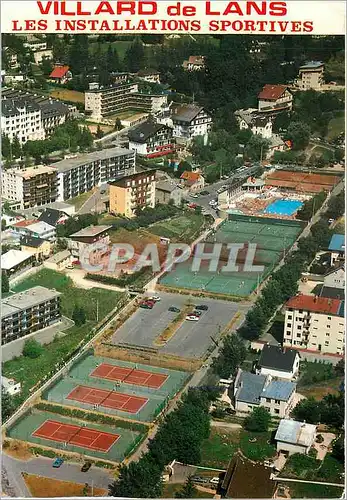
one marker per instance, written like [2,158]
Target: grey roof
[49,107]
[90,231]
[276,358]
[275,141]
[13,258]
[11,107]
[145,130]
[59,257]
[279,389]
[80,160]
[252,117]
[312,65]
[166,186]
[185,112]
[30,241]
[250,387]
[332,292]
[51,216]
[40,227]
[293,432]
[28,298]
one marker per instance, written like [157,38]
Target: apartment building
[32,186]
[275,98]
[190,121]
[21,118]
[79,175]
[252,391]
[132,192]
[311,76]
[52,111]
[257,123]
[27,312]
[151,139]
[315,323]
[121,97]
[79,243]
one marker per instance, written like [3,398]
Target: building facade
[79,175]
[151,139]
[257,123]
[132,192]
[278,362]
[275,98]
[79,243]
[38,247]
[295,437]
[21,118]
[165,191]
[194,63]
[33,186]
[311,76]
[190,121]
[121,97]
[315,323]
[27,312]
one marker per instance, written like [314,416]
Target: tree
[99,132]
[258,420]
[79,316]
[16,148]
[7,405]
[3,224]
[188,491]
[257,147]
[5,146]
[232,354]
[299,133]
[118,124]
[339,449]
[135,56]
[32,349]
[140,479]
[307,410]
[5,284]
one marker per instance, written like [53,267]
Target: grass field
[182,228]
[68,95]
[318,380]
[219,448]
[305,490]
[71,295]
[336,126]
[46,487]
[170,489]
[300,466]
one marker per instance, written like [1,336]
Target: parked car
[58,462]
[70,266]
[174,309]
[146,305]
[204,193]
[212,203]
[201,307]
[192,205]
[198,479]
[154,298]
[197,313]
[214,480]
[194,195]
[192,317]
[85,467]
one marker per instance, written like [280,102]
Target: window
[298,335]
[328,326]
[299,327]
[268,400]
[329,317]
[300,311]
[289,324]
[289,332]
[326,342]
[277,401]
[277,411]
[327,334]
[290,316]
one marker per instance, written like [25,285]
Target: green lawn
[318,379]
[71,295]
[305,490]
[336,126]
[30,371]
[182,228]
[80,200]
[219,448]
[300,466]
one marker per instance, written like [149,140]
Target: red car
[192,205]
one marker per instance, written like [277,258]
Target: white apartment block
[121,97]
[190,121]
[315,323]
[21,118]
[82,173]
[311,76]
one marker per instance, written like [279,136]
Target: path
[225,425]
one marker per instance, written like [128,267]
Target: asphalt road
[43,466]
[192,339]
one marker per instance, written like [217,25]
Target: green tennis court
[272,237]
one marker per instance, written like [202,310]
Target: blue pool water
[283,207]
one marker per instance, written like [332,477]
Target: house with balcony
[311,76]
[275,98]
[132,192]
[315,323]
[258,123]
[88,239]
[151,139]
[190,120]
[252,391]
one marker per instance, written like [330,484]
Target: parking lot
[192,338]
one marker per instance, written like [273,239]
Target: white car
[214,480]
[156,298]
[212,203]
[194,196]
[69,266]
[192,317]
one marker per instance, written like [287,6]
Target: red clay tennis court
[77,435]
[129,375]
[108,399]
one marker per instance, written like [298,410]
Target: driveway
[43,467]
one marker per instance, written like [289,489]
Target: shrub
[32,349]
[258,421]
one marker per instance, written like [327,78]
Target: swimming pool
[283,207]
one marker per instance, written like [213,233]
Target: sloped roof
[51,216]
[277,358]
[312,65]
[30,241]
[145,130]
[59,71]
[279,389]
[185,112]
[293,432]
[13,258]
[272,92]
[315,304]
[190,176]
[250,387]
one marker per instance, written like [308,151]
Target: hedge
[125,279]
[92,417]
[54,454]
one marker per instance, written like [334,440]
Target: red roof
[272,92]
[315,304]
[59,71]
[24,223]
[190,176]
